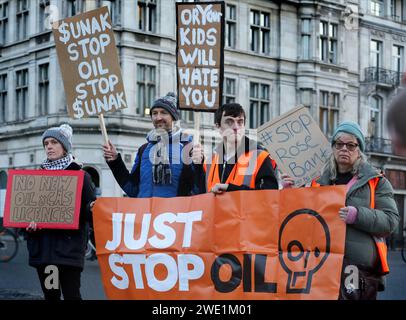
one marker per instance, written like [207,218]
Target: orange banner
[266,244]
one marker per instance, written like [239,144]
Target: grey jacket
[360,247]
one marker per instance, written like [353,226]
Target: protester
[162,167]
[396,120]
[238,162]
[64,249]
[370,211]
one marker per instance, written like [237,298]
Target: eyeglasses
[350,145]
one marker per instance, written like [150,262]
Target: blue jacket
[139,182]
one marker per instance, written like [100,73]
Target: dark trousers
[365,289]
[67,282]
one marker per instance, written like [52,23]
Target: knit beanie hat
[169,103]
[351,128]
[62,133]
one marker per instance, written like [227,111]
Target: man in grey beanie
[161,168]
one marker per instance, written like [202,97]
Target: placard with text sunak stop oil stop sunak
[89,64]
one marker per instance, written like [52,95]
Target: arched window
[3,187]
[375,117]
[3,180]
[95,178]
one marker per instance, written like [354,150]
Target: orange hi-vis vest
[379,242]
[244,171]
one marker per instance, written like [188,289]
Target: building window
[259,104]
[306,38]
[328,42]
[22,19]
[114,7]
[21,93]
[3,22]
[329,108]
[43,87]
[376,54]
[375,118]
[146,86]
[147,15]
[3,97]
[377,7]
[73,7]
[229,92]
[260,31]
[43,4]
[187,116]
[397,58]
[231,25]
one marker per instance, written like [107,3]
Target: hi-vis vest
[379,242]
[244,171]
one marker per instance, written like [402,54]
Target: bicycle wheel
[8,245]
[404,253]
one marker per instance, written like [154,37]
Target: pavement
[18,281]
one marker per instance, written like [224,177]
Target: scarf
[59,164]
[161,170]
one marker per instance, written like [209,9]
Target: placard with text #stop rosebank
[51,198]
[265,244]
[297,144]
[200,55]
[89,64]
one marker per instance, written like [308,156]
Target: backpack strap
[137,171]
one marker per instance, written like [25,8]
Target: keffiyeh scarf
[59,164]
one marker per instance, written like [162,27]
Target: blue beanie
[350,128]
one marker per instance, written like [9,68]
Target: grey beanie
[62,133]
[169,103]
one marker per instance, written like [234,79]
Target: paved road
[19,281]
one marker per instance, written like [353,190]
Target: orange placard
[264,244]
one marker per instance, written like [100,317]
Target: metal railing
[383,76]
[378,145]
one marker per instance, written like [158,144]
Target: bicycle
[403,251]
[8,244]
[90,252]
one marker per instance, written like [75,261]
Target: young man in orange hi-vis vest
[237,163]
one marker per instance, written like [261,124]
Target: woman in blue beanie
[370,211]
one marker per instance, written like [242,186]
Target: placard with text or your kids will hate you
[297,144]
[89,64]
[200,55]
[51,198]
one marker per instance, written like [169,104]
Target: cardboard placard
[51,198]
[297,144]
[89,64]
[200,55]
[265,244]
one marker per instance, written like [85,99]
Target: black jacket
[64,247]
